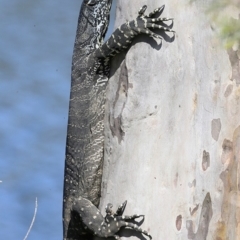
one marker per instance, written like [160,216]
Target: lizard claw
[142,10]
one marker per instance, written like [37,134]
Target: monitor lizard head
[94,28]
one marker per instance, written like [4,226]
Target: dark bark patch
[227,150]
[116,128]
[179,222]
[235,63]
[228,90]
[189,226]
[216,128]
[205,160]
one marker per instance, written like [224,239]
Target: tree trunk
[173,129]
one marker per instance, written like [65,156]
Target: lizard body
[85,133]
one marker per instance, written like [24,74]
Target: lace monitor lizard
[85,132]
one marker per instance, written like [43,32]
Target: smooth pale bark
[173,129]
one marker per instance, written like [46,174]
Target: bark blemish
[192,212]
[231,182]
[216,128]
[205,160]
[176,180]
[204,221]
[119,103]
[195,101]
[179,222]
[220,233]
[228,90]
[235,63]
[192,184]
[227,150]
[116,129]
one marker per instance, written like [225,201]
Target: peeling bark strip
[85,134]
[231,181]
[119,104]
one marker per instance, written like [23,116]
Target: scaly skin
[85,133]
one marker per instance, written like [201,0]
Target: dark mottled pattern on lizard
[85,133]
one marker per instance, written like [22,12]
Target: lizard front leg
[123,36]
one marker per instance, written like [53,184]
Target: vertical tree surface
[172,146]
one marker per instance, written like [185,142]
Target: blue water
[36,43]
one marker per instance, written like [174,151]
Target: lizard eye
[91,2]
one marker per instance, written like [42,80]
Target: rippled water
[36,42]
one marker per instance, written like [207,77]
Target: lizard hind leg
[89,215]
